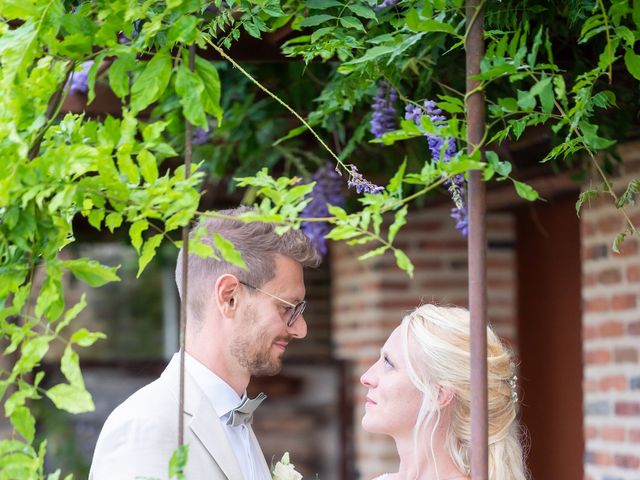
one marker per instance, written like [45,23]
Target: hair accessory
[513,384]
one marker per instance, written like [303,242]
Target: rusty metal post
[474,48]
[188,144]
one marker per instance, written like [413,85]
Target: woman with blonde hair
[419,393]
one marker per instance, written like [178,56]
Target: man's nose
[299,328]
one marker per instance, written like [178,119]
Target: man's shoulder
[151,401]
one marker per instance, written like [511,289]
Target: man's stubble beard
[251,351]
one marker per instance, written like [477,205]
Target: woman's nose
[368,378]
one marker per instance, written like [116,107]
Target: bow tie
[243,413]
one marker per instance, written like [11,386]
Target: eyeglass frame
[298,308]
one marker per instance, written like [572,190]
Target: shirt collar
[222,397]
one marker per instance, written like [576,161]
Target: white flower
[285,470]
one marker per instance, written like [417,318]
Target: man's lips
[368,401]
[281,345]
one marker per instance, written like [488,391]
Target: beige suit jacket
[140,435]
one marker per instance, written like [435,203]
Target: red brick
[629,247]
[627,461]
[624,302]
[614,382]
[590,433]
[589,279]
[633,273]
[634,328]
[601,458]
[609,276]
[589,332]
[627,408]
[587,228]
[625,355]
[595,252]
[597,357]
[590,386]
[611,224]
[634,435]
[598,304]
[611,329]
[615,434]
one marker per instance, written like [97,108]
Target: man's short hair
[258,244]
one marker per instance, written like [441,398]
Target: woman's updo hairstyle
[436,345]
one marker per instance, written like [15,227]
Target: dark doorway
[550,340]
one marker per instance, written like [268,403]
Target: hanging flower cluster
[443,149]
[327,190]
[78,80]
[384,110]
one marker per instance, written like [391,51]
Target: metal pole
[474,48]
[185,265]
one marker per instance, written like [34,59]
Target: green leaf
[395,184]
[228,251]
[322,4]
[632,62]
[635,13]
[374,253]
[113,221]
[314,20]
[148,166]
[151,83]
[189,87]
[403,262]
[72,313]
[352,22]
[586,196]
[525,191]
[119,72]
[148,252]
[85,338]
[418,24]
[70,367]
[135,233]
[178,462]
[183,30]
[618,241]
[211,94]
[399,221]
[629,195]
[127,167]
[24,423]
[91,272]
[71,398]
[362,11]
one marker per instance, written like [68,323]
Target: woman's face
[393,401]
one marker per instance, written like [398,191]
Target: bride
[419,394]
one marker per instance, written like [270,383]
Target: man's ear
[445,395]
[226,294]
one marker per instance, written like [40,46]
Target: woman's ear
[226,294]
[445,395]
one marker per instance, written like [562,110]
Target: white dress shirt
[223,398]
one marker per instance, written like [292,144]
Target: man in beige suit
[239,324]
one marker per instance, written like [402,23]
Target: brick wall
[369,298]
[611,336]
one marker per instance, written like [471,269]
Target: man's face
[261,335]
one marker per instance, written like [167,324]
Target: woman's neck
[428,464]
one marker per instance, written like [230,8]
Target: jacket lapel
[205,423]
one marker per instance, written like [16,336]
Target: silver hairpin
[513,385]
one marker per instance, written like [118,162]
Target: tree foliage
[567,68]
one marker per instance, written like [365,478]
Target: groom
[239,325]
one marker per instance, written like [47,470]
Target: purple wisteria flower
[443,149]
[360,183]
[78,80]
[200,136]
[384,4]
[327,190]
[383,119]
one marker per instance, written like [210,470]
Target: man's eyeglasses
[296,310]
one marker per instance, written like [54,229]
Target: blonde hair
[258,244]
[436,347]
